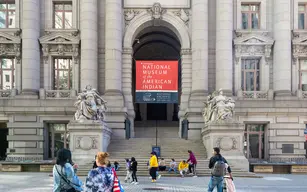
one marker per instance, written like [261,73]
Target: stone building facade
[255,50]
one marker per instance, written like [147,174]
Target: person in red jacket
[193,163]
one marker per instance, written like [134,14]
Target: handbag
[72,189]
[117,186]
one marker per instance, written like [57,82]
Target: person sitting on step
[162,165]
[183,168]
[172,166]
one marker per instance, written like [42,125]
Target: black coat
[134,166]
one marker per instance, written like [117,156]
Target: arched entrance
[156,43]
[167,39]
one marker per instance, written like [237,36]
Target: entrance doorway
[4,144]
[58,138]
[161,44]
[254,141]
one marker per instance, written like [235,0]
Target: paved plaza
[40,182]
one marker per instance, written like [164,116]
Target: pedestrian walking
[153,167]
[218,166]
[133,169]
[192,167]
[129,172]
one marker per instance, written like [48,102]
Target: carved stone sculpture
[90,106]
[218,107]
[157,11]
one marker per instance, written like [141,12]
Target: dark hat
[153,153]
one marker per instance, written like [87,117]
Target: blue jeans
[172,169]
[216,182]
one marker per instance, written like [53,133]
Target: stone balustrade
[8,93]
[301,94]
[255,95]
[57,94]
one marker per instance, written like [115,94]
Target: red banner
[156,76]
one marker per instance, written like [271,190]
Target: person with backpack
[218,165]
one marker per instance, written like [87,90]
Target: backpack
[219,169]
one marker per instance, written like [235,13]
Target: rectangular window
[62,74]
[58,139]
[250,14]
[254,141]
[62,15]
[7,14]
[7,73]
[250,75]
[302,14]
[303,75]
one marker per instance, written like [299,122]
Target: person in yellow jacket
[183,168]
[153,166]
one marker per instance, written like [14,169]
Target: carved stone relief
[227,143]
[183,14]
[129,15]
[157,11]
[86,142]
[249,45]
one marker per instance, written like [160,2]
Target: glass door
[58,138]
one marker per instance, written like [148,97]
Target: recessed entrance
[161,44]
[3,141]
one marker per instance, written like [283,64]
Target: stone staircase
[171,147]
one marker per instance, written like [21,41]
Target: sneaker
[159,177]
[136,183]
[153,181]
[195,176]
[132,182]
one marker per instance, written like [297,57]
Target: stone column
[30,46]
[224,37]
[113,48]
[200,46]
[89,43]
[282,47]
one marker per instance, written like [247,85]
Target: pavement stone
[41,182]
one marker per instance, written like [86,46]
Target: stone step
[165,174]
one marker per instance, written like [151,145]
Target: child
[172,166]
[133,169]
[128,176]
[183,168]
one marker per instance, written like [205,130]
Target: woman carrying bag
[64,177]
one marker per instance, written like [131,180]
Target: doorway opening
[254,142]
[4,144]
[160,44]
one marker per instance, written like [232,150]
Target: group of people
[101,178]
[103,175]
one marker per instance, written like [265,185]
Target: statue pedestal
[87,138]
[228,136]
